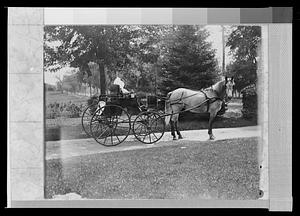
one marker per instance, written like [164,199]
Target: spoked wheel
[110,125]
[149,127]
[86,117]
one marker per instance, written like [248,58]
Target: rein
[194,107]
[201,91]
[182,98]
[207,100]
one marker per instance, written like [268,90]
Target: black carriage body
[155,102]
[130,104]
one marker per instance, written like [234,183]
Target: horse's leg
[174,120]
[213,110]
[177,130]
[210,122]
[172,129]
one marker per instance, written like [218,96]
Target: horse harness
[208,100]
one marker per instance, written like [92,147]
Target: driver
[120,83]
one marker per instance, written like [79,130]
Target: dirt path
[78,147]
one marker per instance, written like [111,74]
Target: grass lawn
[226,169]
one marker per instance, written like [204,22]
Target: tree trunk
[90,90]
[223,52]
[102,78]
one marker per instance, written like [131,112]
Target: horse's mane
[218,87]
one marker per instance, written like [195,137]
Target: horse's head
[224,88]
[229,83]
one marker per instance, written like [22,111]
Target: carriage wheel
[110,125]
[149,127]
[86,117]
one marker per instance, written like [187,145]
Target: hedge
[68,110]
[249,100]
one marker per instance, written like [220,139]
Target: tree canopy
[77,46]
[146,57]
[243,43]
[188,59]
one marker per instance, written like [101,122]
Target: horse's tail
[168,110]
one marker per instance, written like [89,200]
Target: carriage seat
[116,90]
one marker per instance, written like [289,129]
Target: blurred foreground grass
[226,169]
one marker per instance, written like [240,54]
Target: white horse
[208,100]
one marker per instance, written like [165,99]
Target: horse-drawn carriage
[112,118]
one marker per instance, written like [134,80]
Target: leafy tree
[141,74]
[59,84]
[84,78]
[145,56]
[49,87]
[188,59]
[95,77]
[80,78]
[243,42]
[70,83]
[77,46]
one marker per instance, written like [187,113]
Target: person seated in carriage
[118,87]
[121,84]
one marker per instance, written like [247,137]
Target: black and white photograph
[152,111]
[149,107]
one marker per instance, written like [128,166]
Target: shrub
[51,114]
[69,110]
[73,111]
[92,100]
[249,100]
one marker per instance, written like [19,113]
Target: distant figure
[120,83]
